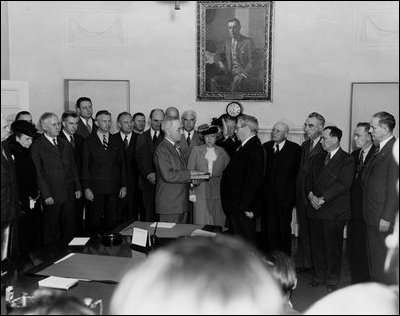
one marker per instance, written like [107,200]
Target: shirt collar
[333,152]
[316,141]
[245,141]
[383,142]
[187,133]
[50,138]
[68,136]
[100,135]
[170,140]
[123,136]
[280,145]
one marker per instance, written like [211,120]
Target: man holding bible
[173,178]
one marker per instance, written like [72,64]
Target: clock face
[234,109]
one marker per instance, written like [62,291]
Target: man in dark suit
[190,137]
[328,187]
[357,233]
[380,196]
[58,181]
[241,182]
[10,204]
[229,140]
[146,144]
[69,122]
[309,149]
[86,123]
[282,165]
[127,140]
[103,175]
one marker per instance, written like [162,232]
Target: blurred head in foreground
[199,275]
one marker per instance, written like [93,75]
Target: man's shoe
[314,283]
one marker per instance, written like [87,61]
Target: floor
[303,296]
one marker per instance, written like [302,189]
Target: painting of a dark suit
[380,201]
[128,204]
[144,155]
[279,195]
[57,177]
[241,186]
[10,202]
[104,173]
[172,191]
[81,203]
[304,249]
[333,183]
[357,231]
[83,129]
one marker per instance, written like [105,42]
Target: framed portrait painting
[234,50]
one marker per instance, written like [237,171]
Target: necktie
[126,142]
[360,162]
[178,149]
[311,146]
[154,138]
[3,152]
[276,149]
[88,126]
[188,139]
[72,142]
[327,158]
[55,142]
[377,149]
[105,143]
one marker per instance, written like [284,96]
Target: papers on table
[139,237]
[58,283]
[163,225]
[64,258]
[79,241]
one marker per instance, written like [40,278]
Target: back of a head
[199,276]
[54,303]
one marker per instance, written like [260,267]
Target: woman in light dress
[213,159]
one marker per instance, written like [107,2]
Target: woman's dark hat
[205,129]
[23,127]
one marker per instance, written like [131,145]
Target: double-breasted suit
[308,153]
[357,233]
[128,208]
[332,182]
[279,194]
[172,190]
[58,178]
[83,130]
[104,173]
[144,154]
[241,186]
[380,201]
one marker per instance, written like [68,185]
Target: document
[203,233]
[202,176]
[58,282]
[139,237]
[163,225]
[79,241]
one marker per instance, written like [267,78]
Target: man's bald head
[279,132]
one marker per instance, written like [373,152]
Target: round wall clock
[234,109]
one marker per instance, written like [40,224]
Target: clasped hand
[316,202]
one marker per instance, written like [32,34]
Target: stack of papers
[58,283]
[79,241]
[163,225]
[203,233]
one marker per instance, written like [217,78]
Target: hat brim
[210,130]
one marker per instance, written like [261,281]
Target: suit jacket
[57,174]
[77,150]
[245,50]
[333,183]
[82,129]
[305,163]
[197,161]
[103,171]
[241,182]
[196,141]
[129,155]
[172,190]
[379,186]
[10,205]
[280,176]
[144,154]
[356,189]
[230,145]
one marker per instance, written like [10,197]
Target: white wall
[316,54]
